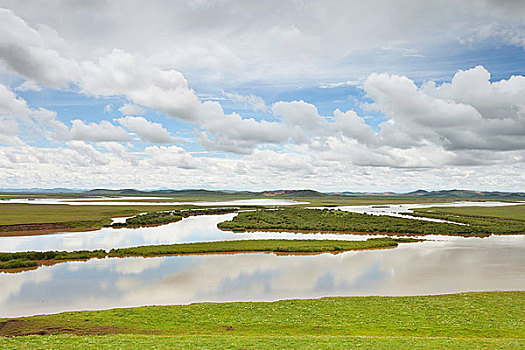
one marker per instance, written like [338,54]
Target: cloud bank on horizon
[262,95]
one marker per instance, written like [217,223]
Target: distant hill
[466,194]
[450,194]
[168,192]
[134,192]
[306,193]
[40,190]
[420,193]
[293,194]
[206,193]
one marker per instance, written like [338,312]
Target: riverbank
[488,320]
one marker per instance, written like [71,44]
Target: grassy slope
[488,320]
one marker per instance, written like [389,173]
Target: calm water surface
[432,267]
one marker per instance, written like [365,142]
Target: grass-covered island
[31,259]
[491,320]
[329,220]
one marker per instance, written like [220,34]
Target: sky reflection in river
[465,264]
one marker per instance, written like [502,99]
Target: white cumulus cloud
[146,130]
[95,132]
[131,109]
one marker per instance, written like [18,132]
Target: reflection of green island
[23,260]
[324,220]
[491,320]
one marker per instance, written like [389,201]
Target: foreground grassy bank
[339,221]
[33,259]
[492,320]
[252,342]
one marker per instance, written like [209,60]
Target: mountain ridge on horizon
[283,193]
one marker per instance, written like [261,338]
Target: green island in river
[332,220]
[32,259]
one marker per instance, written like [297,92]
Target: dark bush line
[52,255]
[15,264]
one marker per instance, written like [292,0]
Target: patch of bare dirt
[19,328]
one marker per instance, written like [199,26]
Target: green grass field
[491,320]
[251,342]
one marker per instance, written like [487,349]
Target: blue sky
[326,95]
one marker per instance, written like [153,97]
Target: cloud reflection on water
[495,263]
